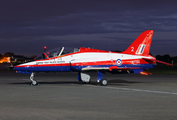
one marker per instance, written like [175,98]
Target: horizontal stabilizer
[163,62]
[157,61]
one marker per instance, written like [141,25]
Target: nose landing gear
[32,79]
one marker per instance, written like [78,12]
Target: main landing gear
[32,79]
[86,78]
[81,77]
[101,80]
[104,82]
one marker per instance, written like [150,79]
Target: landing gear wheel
[34,82]
[104,82]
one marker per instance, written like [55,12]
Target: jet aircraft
[134,59]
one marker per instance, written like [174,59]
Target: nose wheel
[34,82]
[32,79]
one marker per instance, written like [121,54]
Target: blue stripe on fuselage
[44,69]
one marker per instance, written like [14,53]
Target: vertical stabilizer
[141,45]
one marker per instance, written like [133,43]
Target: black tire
[34,83]
[104,82]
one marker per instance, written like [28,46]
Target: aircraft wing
[152,60]
[110,68]
[95,68]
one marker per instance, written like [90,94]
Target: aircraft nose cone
[19,68]
[24,70]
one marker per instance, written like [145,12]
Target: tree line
[7,54]
[10,54]
[167,58]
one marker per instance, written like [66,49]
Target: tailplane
[141,45]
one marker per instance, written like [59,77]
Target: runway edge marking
[138,90]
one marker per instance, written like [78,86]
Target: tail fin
[141,45]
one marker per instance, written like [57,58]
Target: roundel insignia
[119,62]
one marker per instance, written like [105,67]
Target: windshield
[54,53]
[50,54]
[40,57]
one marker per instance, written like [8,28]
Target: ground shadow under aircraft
[119,82]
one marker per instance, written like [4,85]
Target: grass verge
[164,70]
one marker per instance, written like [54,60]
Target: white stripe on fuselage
[86,57]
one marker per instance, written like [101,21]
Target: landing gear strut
[86,78]
[32,79]
[101,80]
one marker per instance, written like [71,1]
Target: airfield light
[5,60]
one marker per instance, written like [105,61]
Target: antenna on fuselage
[45,48]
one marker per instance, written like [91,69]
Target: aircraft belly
[44,68]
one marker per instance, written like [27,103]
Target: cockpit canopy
[55,52]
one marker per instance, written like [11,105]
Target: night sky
[26,26]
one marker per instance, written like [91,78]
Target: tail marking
[141,45]
[140,49]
